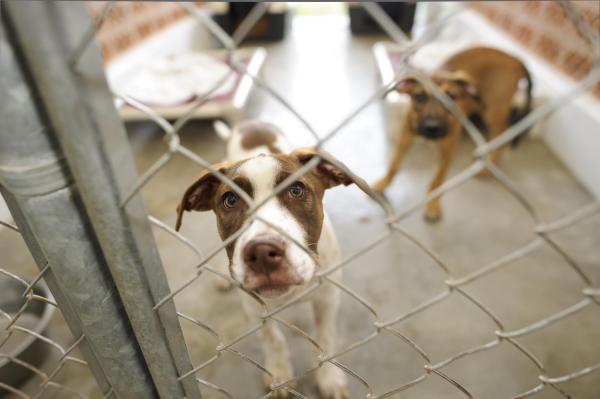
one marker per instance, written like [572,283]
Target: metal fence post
[36,184]
[79,105]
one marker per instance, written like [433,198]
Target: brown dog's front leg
[447,148]
[498,121]
[400,149]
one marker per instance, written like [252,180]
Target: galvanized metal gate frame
[58,172]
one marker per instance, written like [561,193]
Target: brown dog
[482,82]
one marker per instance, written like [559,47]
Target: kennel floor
[325,75]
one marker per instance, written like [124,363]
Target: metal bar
[36,184]
[79,105]
[68,311]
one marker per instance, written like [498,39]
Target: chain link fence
[145,294]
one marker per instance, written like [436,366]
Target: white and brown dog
[262,259]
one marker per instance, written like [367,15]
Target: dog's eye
[296,190]
[420,97]
[229,199]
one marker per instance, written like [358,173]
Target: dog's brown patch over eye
[230,209]
[304,202]
[304,197]
[210,193]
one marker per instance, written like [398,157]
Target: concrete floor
[325,73]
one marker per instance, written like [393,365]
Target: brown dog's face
[428,117]
[261,258]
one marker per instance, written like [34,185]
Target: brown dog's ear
[198,196]
[406,85]
[330,174]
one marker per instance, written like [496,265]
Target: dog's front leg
[331,380]
[497,119]
[447,147]
[277,357]
[275,349]
[400,149]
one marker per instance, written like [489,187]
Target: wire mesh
[542,233]
[23,329]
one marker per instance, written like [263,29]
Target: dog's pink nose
[264,255]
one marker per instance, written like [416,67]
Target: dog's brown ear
[331,175]
[198,196]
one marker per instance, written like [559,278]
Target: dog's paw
[279,374]
[280,394]
[484,173]
[331,382]
[433,214]
[223,285]
[379,187]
